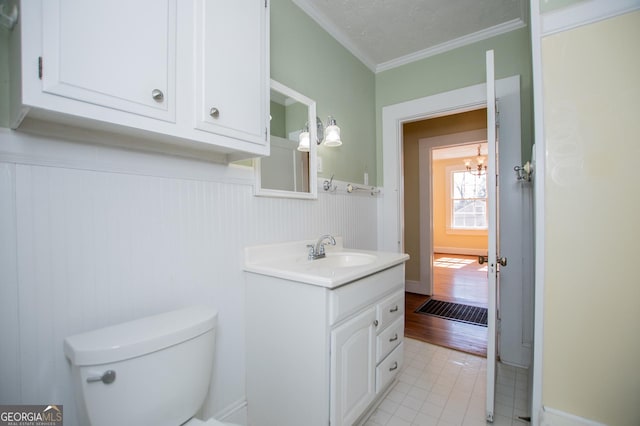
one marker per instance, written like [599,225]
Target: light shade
[332,133]
[303,144]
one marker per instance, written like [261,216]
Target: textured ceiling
[388,33]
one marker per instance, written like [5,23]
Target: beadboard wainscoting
[95,235]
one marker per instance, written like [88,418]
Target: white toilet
[152,371]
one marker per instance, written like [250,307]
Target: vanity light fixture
[303,139]
[332,133]
[329,135]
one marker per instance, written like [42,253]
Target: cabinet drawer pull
[394,338]
[394,309]
[157,95]
[214,112]
[394,366]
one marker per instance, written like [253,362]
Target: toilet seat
[210,422]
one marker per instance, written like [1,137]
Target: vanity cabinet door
[121,56]
[353,365]
[232,92]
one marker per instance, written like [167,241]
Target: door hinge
[40,67]
[265,4]
[265,134]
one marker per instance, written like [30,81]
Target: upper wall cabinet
[193,74]
[226,35]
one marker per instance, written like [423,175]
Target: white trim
[484,34]
[539,213]
[236,412]
[551,416]
[391,223]
[582,13]
[415,287]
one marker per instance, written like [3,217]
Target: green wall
[310,61]
[459,68]
[276,111]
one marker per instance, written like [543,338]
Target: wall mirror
[289,172]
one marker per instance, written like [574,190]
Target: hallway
[459,279]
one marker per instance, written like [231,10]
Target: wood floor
[459,279]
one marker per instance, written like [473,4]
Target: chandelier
[479,168]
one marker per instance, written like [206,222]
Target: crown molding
[487,33]
[326,24]
[583,13]
[335,32]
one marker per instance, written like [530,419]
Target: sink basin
[289,261]
[344,259]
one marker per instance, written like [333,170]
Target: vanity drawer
[389,368]
[391,337]
[390,309]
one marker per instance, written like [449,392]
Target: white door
[121,56]
[493,260]
[353,365]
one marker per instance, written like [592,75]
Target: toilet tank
[162,364]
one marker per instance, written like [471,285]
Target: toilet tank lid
[139,337]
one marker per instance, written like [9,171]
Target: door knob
[484,259]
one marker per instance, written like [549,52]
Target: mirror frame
[313,151]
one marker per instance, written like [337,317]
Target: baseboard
[235,413]
[415,287]
[458,250]
[552,417]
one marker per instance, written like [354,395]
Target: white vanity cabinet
[153,69]
[318,355]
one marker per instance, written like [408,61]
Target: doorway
[442,234]
[517,292]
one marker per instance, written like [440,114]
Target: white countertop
[289,261]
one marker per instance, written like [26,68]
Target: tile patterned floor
[442,387]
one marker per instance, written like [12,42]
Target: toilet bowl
[155,370]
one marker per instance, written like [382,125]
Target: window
[468,201]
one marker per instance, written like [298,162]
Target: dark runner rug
[454,311]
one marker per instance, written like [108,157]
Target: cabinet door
[121,55]
[231,68]
[353,367]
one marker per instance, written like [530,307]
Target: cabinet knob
[375,322]
[214,112]
[157,95]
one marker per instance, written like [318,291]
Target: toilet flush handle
[107,378]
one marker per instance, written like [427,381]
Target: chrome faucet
[317,251]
